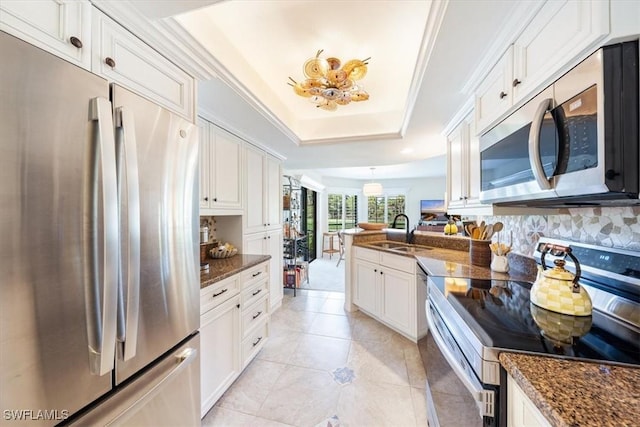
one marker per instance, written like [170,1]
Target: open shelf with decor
[295,245]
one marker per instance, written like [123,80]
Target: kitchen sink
[405,248]
[410,249]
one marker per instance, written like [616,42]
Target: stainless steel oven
[575,142]
[472,321]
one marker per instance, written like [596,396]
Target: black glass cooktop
[501,315]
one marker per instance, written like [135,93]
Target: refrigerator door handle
[129,188]
[183,360]
[102,291]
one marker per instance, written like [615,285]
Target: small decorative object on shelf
[451,228]
[223,251]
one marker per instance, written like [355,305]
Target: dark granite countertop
[222,268]
[572,393]
[448,256]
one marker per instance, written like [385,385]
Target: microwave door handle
[534,145]
[129,313]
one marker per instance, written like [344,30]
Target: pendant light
[372,188]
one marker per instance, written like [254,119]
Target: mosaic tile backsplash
[609,227]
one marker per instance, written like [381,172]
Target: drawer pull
[110,62]
[257,341]
[256,292]
[256,274]
[256,315]
[220,293]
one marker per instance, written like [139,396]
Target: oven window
[507,163]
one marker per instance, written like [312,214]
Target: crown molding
[520,18]
[432,28]
[211,117]
[465,110]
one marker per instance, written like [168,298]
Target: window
[343,211]
[385,208]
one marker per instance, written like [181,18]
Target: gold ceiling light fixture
[329,83]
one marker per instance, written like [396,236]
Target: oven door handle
[484,398]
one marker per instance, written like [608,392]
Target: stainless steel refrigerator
[99,282]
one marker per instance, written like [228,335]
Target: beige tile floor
[292,380]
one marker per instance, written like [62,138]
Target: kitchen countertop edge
[220,269]
[573,392]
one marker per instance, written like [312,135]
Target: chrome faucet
[409,236]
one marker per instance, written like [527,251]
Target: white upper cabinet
[263,191]
[220,171]
[121,57]
[463,170]
[60,27]
[562,30]
[79,33]
[494,95]
[560,34]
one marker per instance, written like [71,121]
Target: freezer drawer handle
[102,289]
[129,195]
[257,341]
[184,359]
[255,316]
[220,293]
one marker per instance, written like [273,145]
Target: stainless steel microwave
[575,143]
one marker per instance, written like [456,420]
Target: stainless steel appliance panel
[50,192]
[167,395]
[167,175]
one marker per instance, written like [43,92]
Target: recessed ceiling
[260,44]
[424,61]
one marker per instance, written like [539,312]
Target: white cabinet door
[274,243]
[456,190]
[561,31]
[254,218]
[398,304]
[121,57]
[61,27]
[220,170]
[204,164]
[268,243]
[521,412]
[463,179]
[473,166]
[494,95]
[366,285]
[226,174]
[273,181]
[220,358]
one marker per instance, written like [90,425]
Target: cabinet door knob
[206,199]
[516,82]
[502,95]
[110,62]
[215,199]
[381,272]
[76,42]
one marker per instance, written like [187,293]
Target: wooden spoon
[497,227]
[487,233]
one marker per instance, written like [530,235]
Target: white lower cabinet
[386,287]
[268,243]
[234,326]
[521,411]
[220,362]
